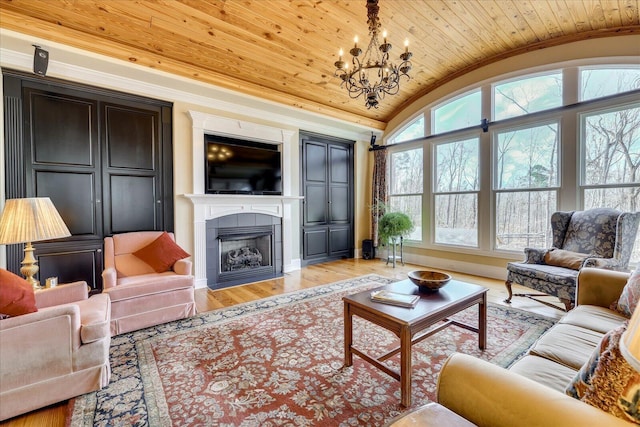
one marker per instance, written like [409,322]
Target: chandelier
[372,75]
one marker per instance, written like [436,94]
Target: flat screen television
[242,167]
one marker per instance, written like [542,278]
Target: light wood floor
[307,277]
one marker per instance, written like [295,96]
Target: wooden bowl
[429,281]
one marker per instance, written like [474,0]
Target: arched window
[490,187]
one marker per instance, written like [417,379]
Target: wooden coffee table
[412,325]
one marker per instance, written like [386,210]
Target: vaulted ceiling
[284,50]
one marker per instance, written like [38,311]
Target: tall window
[526,185]
[611,158]
[406,187]
[457,182]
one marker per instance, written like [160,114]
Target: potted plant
[393,225]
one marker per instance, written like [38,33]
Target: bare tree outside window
[406,176]
[526,96]
[457,182]
[611,161]
[608,81]
[526,185]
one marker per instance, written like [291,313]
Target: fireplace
[283,209]
[243,248]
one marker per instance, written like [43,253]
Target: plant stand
[391,252]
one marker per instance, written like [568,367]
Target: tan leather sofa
[531,392]
[140,297]
[59,352]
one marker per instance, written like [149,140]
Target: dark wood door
[327,183]
[132,174]
[100,156]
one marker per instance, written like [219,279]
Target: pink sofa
[140,297]
[59,352]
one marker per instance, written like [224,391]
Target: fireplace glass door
[245,252]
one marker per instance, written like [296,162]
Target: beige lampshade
[31,220]
[630,342]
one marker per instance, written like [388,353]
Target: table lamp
[630,341]
[30,220]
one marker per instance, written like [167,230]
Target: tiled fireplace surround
[210,206]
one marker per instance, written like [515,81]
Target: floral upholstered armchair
[600,238]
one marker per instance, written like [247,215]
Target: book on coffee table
[395,298]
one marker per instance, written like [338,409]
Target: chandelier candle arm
[373,75]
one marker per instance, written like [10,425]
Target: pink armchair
[59,352]
[141,297]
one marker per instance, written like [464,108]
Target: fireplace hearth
[243,248]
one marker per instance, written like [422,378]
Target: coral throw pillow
[630,295]
[607,381]
[162,253]
[16,295]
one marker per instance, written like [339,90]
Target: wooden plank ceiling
[284,50]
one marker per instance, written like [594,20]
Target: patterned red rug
[279,362]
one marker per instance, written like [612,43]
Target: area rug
[279,362]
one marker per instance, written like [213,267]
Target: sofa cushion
[567,259]
[130,265]
[148,284]
[567,345]
[162,253]
[630,295]
[16,295]
[607,381]
[542,271]
[544,371]
[593,317]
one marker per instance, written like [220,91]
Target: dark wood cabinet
[328,211]
[103,157]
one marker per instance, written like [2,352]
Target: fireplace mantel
[217,205]
[210,206]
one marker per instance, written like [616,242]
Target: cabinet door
[62,157]
[62,162]
[339,185]
[131,172]
[314,170]
[327,175]
[71,262]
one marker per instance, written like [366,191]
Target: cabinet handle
[158,201]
